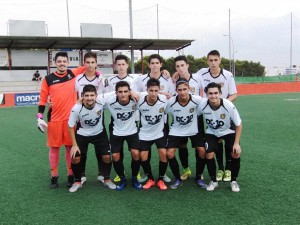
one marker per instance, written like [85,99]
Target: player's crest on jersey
[192,110]
[69,76]
[99,112]
[222,116]
[133,107]
[192,90]
[162,87]
[161,110]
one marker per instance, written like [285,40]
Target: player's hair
[181,58]
[122,83]
[122,57]
[90,55]
[153,82]
[89,88]
[181,81]
[61,54]
[155,56]
[213,85]
[214,52]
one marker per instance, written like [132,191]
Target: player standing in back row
[225,78]
[58,87]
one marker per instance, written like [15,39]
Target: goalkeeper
[58,87]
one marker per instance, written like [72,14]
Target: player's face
[90,64]
[214,62]
[181,67]
[122,66]
[183,91]
[89,99]
[155,65]
[153,92]
[61,64]
[123,94]
[213,95]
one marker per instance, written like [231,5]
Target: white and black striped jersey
[151,118]
[225,78]
[184,122]
[110,82]
[82,80]
[123,116]
[89,121]
[140,84]
[219,120]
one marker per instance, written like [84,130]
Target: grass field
[270,186]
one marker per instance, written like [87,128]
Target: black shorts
[184,140]
[100,142]
[117,142]
[160,143]
[212,141]
[175,141]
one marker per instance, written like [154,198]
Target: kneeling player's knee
[210,155]
[116,156]
[235,156]
[76,160]
[106,158]
[170,154]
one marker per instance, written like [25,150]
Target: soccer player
[89,76]
[219,114]
[183,109]
[152,108]
[166,87]
[182,66]
[59,88]
[89,119]
[121,62]
[221,76]
[122,108]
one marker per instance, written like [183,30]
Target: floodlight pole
[131,36]
[68,17]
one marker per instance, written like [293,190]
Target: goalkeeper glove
[41,124]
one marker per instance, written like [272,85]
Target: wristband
[39,116]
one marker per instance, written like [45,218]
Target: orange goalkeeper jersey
[60,88]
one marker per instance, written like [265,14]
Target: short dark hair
[90,55]
[153,82]
[214,52]
[122,57]
[181,58]
[122,83]
[89,88]
[213,85]
[155,56]
[61,54]
[181,81]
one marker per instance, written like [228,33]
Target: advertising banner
[27,99]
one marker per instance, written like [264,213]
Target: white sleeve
[234,115]
[231,85]
[172,89]
[74,116]
[135,84]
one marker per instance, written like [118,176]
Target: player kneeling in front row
[152,108]
[218,114]
[183,108]
[89,119]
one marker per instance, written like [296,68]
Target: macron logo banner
[27,99]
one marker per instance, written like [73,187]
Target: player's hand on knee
[74,150]
[236,149]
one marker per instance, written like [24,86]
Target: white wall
[19,75]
